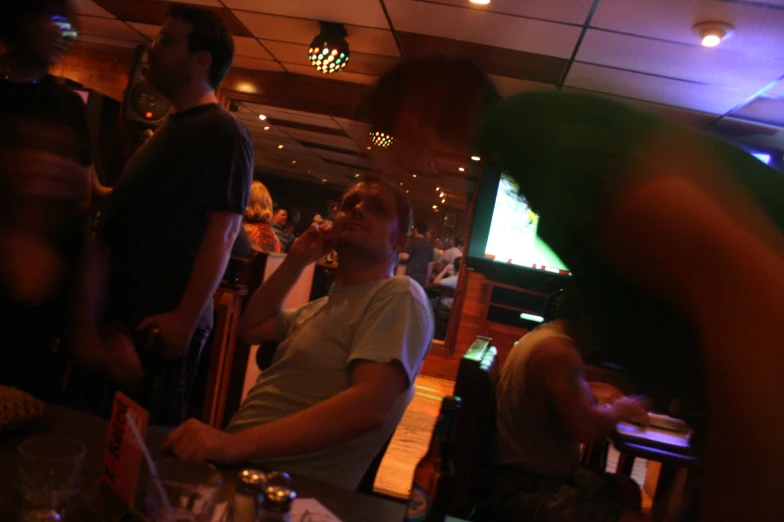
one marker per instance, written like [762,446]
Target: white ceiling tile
[759,31]
[260,64]
[148,30]
[565,11]
[777,89]
[215,3]
[90,8]
[321,138]
[247,46]
[704,98]
[511,86]
[287,51]
[114,42]
[281,28]
[371,40]
[106,27]
[301,31]
[683,116]
[296,116]
[714,66]
[356,12]
[344,76]
[486,28]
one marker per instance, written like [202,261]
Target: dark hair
[402,205]
[563,304]
[421,227]
[278,209]
[448,95]
[210,34]
[14,20]
[459,242]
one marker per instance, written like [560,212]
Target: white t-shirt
[451,254]
[378,321]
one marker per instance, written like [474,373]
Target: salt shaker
[276,506]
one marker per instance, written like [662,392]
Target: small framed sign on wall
[450,219]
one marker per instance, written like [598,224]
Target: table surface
[349,506]
[665,446]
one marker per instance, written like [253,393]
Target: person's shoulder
[555,351]
[402,286]
[224,122]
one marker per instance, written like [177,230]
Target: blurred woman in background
[257,216]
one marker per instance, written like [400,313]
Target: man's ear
[204,61]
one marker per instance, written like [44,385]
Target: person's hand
[632,409]
[174,328]
[311,246]
[118,358]
[194,440]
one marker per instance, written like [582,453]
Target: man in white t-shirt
[345,367]
[453,253]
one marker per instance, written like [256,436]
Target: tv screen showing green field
[513,234]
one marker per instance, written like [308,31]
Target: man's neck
[14,69]
[353,270]
[192,97]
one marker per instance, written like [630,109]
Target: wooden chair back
[476,381]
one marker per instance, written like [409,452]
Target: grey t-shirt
[379,321]
[421,254]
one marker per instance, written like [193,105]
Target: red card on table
[123,456]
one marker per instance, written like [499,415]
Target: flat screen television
[504,238]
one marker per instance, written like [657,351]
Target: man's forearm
[267,301]
[208,269]
[312,429]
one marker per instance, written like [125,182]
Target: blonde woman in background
[257,216]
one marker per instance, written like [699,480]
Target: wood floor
[411,439]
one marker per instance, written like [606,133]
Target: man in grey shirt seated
[345,367]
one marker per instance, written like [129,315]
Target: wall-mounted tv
[504,236]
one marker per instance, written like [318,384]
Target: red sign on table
[122,460]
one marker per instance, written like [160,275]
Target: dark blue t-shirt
[199,161]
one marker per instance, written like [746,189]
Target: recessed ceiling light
[476,158]
[323,181]
[443,200]
[480,2]
[401,183]
[441,195]
[438,188]
[413,175]
[293,162]
[262,117]
[356,175]
[435,207]
[369,147]
[266,127]
[406,191]
[461,169]
[280,146]
[712,33]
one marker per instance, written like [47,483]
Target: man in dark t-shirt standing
[175,213]
[418,255]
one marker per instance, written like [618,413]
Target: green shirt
[572,154]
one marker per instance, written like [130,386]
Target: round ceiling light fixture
[329,52]
[381,139]
[712,33]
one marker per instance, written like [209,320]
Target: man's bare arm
[558,365]
[361,408]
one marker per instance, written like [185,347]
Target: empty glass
[191,489]
[50,472]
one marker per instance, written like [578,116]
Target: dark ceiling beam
[296,92]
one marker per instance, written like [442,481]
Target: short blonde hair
[259,204]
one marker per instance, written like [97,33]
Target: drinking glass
[50,472]
[191,489]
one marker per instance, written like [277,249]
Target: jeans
[168,383]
